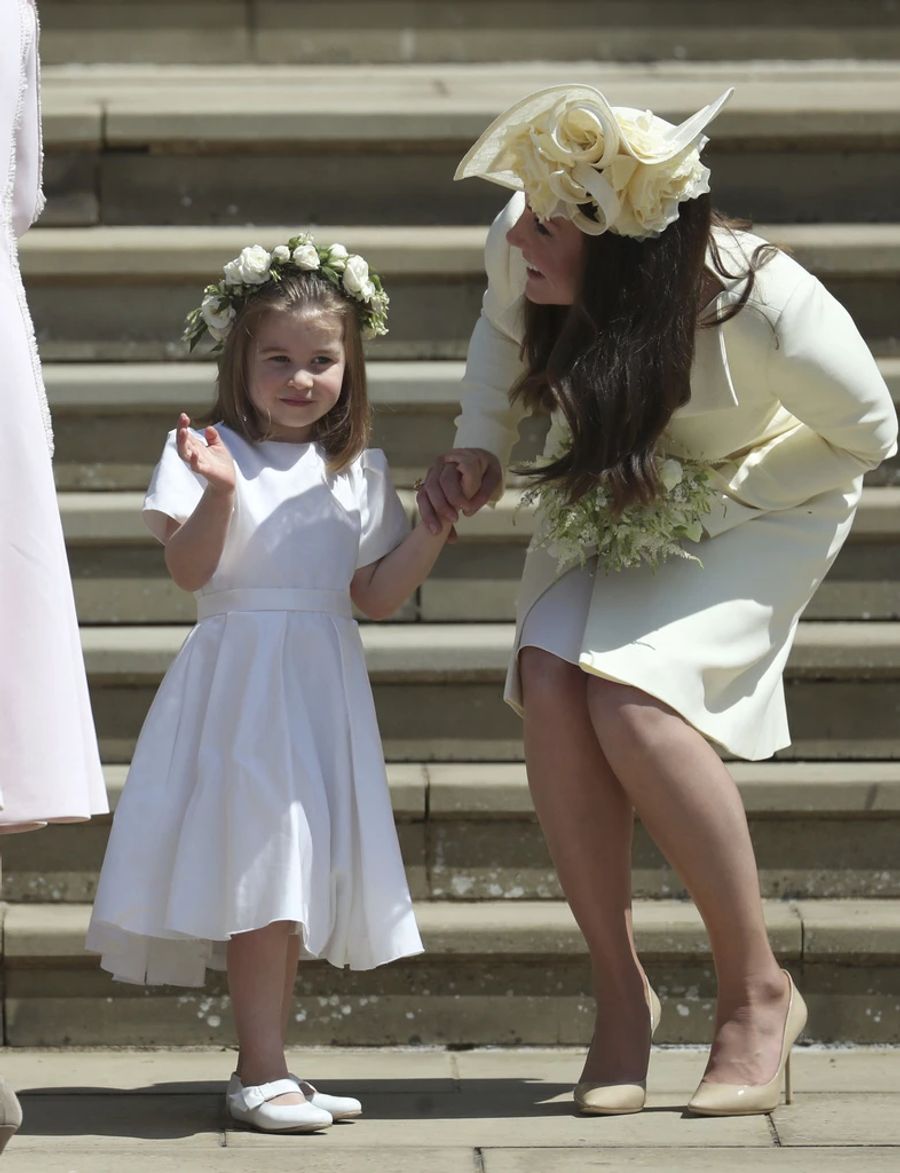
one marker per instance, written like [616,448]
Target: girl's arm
[194,548]
[382,587]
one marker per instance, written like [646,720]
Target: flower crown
[605,168]
[255,269]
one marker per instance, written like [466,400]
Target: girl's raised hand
[211,460]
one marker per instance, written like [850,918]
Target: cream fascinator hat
[566,147]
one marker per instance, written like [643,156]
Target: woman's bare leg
[587,821]
[691,808]
[256,980]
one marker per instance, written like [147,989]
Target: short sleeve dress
[257,791]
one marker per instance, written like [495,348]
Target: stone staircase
[153,173]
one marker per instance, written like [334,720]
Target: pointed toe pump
[731,1099]
[618,1099]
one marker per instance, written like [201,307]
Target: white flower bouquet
[640,534]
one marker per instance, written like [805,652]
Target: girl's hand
[211,460]
[460,481]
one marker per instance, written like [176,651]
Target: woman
[648,327]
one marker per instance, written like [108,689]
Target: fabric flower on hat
[605,168]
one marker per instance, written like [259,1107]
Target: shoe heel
[788,1090]
[7,1131]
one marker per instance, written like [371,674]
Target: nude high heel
[618,1099]
[732,1099]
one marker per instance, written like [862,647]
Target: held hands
[211,460]
[460,481]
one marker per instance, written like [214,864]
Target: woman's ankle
[752,992]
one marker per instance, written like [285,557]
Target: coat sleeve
[823,373]
[488,419]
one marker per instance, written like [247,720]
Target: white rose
[250,268]
[356,275]
[671,474]
[281,252]
[337,257]
[216,334]
[305,256]
[214,314]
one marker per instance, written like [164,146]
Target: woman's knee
[548,681]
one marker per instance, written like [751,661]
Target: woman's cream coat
[786,401]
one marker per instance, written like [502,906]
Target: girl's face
[296,371]
[554,253]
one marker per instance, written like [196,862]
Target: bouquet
[651,534]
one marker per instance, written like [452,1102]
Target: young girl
[256,824]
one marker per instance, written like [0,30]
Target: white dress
[789,407]
[49,763]
[257,791]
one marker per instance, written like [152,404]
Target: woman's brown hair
[617,363]
[344,431]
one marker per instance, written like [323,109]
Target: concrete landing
[482,1111]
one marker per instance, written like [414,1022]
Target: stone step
[111,417]
[493,972]
[468,832]
[120,576]
[464,30]
[842,686]
[172,145]
[122,293]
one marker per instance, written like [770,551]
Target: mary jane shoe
[251,1106]
[340,1107]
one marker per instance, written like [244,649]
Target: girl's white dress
[257,791]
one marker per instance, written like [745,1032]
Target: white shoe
[251,1106]
[340,1107]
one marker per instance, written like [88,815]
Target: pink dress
[49,764]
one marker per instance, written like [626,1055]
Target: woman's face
[554,252]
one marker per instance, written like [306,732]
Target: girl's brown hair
[344,431]
[617,363]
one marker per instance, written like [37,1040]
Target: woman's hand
[460,481]
[211,460]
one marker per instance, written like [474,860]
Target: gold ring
[418,483]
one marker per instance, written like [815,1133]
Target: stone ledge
[473,652]
[845,928]
[806,930]
[248,106]
[126,388]
[91,518]
[499,791]
[135,254]
[129,388]
[44,933]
